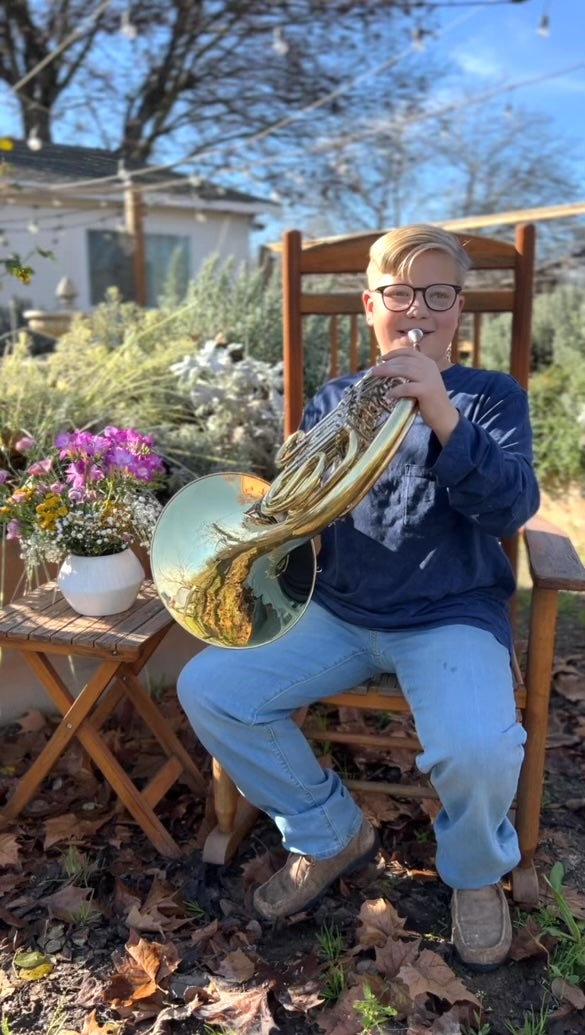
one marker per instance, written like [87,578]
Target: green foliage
[534,1023]
[77,866]
[112,366]
[557,407]
[373,1013]
[334,984]
[558,326]
[557,383]
[194,909]
[16,267]
[568,961]
[331,942]
[478,1027]
[243,305]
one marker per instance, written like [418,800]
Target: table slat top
[43,618]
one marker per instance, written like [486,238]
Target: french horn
[232,555]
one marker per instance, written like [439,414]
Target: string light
[544,26]
[123,174]
[33,141]
[127,27]
[148,170]
[418,38]
[279,44]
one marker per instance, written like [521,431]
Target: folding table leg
[74,712]
[76,723]
[159,727]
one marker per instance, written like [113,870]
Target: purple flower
[3,476]
[76,475]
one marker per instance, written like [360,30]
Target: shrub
[235,420]
[557,406]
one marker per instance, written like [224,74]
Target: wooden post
[134,221]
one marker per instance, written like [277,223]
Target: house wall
[63,230]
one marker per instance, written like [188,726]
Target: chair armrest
[553,561]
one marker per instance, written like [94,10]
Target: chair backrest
[504,284]
[500,281]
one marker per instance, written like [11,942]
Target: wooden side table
[41,624]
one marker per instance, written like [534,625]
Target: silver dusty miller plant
[237,407]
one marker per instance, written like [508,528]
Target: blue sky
[498,45]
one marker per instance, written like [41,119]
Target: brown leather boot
[302,880]
[482,929]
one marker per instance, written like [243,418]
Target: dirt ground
[99,934]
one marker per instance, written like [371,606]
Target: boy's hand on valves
[425,384]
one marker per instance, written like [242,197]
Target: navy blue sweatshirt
[422,548]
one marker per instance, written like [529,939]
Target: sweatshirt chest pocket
[420,497]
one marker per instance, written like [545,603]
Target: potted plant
[83,504]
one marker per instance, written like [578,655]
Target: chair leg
[235,818]
[539,668]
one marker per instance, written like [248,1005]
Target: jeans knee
[199,688]
[488,757]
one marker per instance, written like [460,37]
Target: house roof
[70,167]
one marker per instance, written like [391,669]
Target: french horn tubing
[232,555]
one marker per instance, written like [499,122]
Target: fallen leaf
[29,958]
[432,976]
[564,991]
[91,1026]
[6,986]
[71,903]
[529,940]
[247,1012]
[69,827]
[380,921]
[343,1018]
[36,973]
[261,868]
[136,985]
[394,954]
[9,850]
[237,966]
[380,808]
[570,683]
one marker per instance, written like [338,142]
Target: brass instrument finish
[223,544]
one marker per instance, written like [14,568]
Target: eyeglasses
[438,297]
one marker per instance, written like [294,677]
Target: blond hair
[395,251]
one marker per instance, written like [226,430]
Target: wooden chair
[553,563]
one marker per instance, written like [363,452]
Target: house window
[167,259]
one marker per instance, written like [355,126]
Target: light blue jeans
[458,683]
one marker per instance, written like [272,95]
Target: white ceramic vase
[98,586]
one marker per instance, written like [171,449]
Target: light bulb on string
[123,174]
[33,141]
[279,44]
[127,27]
[544,26]
[418,38]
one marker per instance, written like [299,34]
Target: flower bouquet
[89,496]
